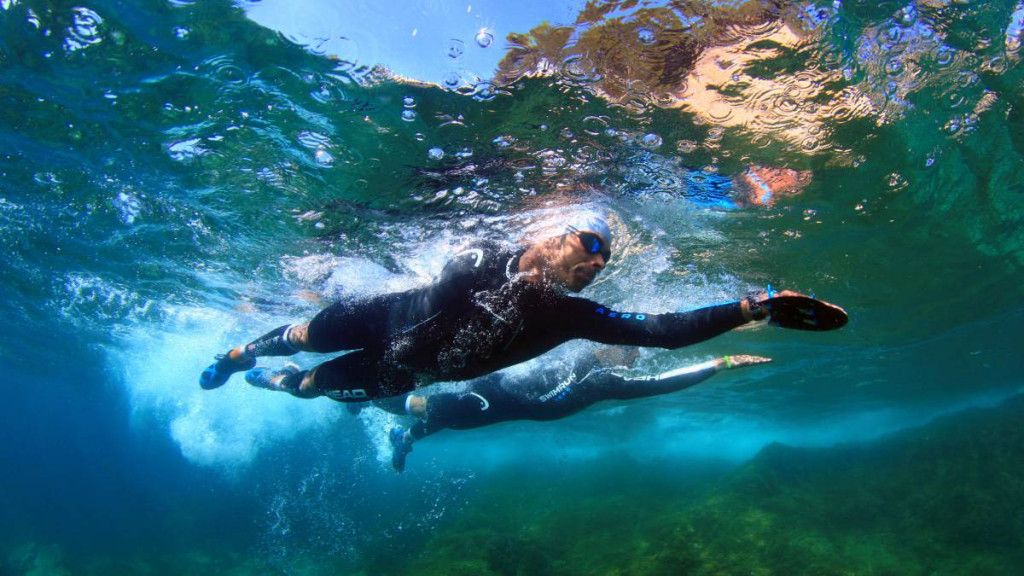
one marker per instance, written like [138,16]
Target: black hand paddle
[804,313]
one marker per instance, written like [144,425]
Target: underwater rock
[943,499]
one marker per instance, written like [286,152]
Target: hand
[752,306]
[775,294]
[741,360]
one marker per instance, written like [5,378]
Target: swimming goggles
[592,243]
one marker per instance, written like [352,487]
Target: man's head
[575,250]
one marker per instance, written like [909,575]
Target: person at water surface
[494,305]
[542,395]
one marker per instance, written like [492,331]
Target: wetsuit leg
[392,404]
[357,377]
[340,326]
[482,404]
[354,325]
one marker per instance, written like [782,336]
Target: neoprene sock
[418,430]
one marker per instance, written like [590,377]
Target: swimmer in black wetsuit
[546,395]
[494,305]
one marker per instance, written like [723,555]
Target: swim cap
[590,222]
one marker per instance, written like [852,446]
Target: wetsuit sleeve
[610,386]
[593,321]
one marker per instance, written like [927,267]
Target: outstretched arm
[786,309]
[597,322]
[619,388]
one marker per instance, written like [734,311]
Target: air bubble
[894,66]
[484,92]
[504,141]
[787,105]
[452,80]
[186,150]
[128,207]
[594,125]
[720,111]
[409,102]
[408,115]
[86,30]
[579,70]
[435,153]
[323,157]
[313,140]
[456,49]
[651,141]
[484,38]
[646,36]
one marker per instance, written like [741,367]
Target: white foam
[223,428]
[362,277]
[378,423]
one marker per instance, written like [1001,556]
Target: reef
[34,559]
[943,499]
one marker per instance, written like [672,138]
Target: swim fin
[804,313]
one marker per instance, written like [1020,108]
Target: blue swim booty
[217,374]
[399,448]
[264,377]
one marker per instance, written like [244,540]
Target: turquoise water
[177,177]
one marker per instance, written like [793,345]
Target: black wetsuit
[480,316]
[547,395]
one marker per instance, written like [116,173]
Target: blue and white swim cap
[590,222]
